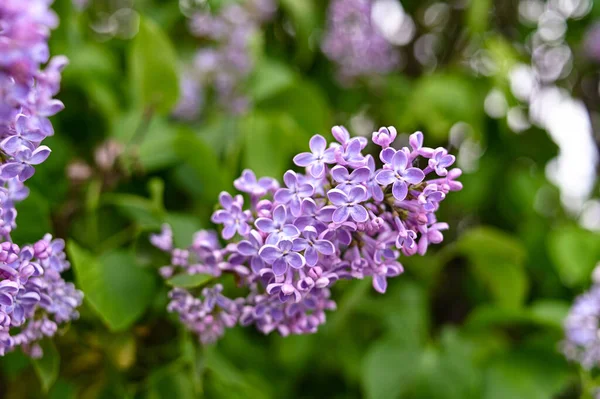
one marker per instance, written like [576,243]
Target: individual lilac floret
[349,205]
[385,136]
[281,256]
[345,218]
[247,183]
[400,175]
[440,160]
[316,159]
[294,193]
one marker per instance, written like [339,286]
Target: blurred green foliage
[478,317]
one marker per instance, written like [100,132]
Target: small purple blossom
[281,256]
[385,136]
[349,205]
[400,175]
[316,159]
[247,183]
[294,193]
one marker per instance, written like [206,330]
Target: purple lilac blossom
[353,43]
[297,241]
[34,298]
[224,64]
[582,328]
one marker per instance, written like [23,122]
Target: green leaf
[497,260]
[575,252]
[478,15]
[139,209]
[47,367]
[269,79]
[171,382]
[449,372]
[389,370]
[304,19]
[153,68]
[305,103]
[114,286]
[184,226]
[33,218]
[531,374]
[439,101]
[190,280]
[63,390]
[210,178]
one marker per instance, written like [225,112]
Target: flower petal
[385,177]
[400,190]
[341,215]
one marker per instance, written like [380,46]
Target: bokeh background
[166,104]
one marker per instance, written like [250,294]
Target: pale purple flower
[440,160]
[349,205]
[350,155]
[250,248]
[281,256]
[385,136]
[313,246]
[431,197]
[400,176]
[348,180]
[316,159]
[294,193]
[234,221]
[278,227]
[248,183]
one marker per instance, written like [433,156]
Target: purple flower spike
[247,183]
[385,136]
[281,256]
[348,205]
[278,227]
[350,230]
[294,193]
[400,175]
[440,160]
[348,180]
[316,159]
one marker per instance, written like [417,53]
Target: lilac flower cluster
[226,62]
[345,218]
[582,328]
[33,296]
[353,42]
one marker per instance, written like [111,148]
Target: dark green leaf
[210,178]
[47,367]
[574,252]
[115,287]
[497,259]
[389,371]
[153,68]
[190,280]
